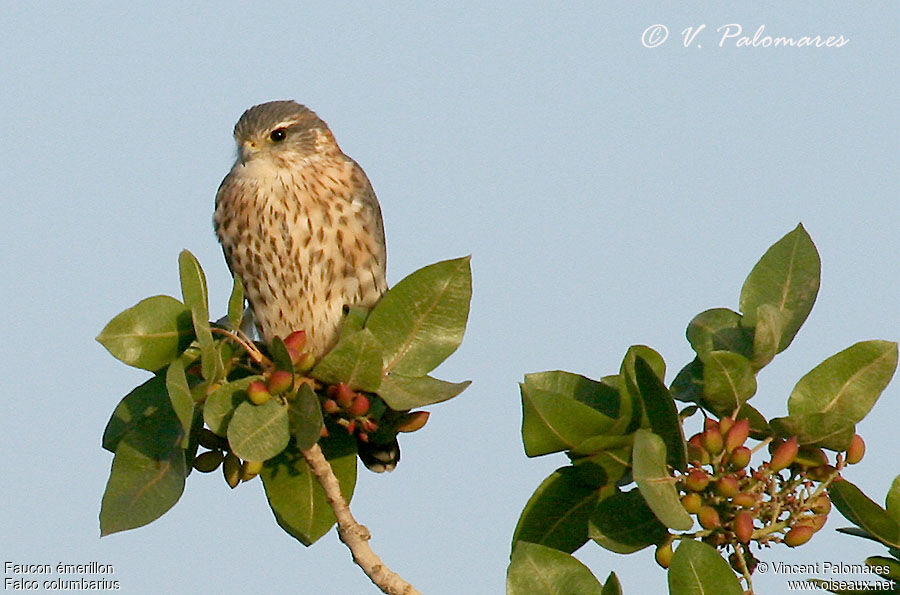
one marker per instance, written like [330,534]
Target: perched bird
[299,222]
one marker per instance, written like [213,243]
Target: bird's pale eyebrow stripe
[284,124]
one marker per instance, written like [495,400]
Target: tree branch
[354,535]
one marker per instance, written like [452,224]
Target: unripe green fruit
[815,521]
[744,500]
[664,554]
[740,457]
[784,454]
[415,420]
[743,526]
[231,469]
[208,461]
[359,406]
[250,469]
[727,487]
[258,393]
[798,536]
[822,473]
[821,505]
[809,456]
[856,450]
[737,435]
[712,441]
[725,425]
[305,362]
[709,518]
[280,381]
[692,502]
[696,480]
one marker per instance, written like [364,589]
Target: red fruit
[744,500]
[784,454]
[296,340]
[696,480]
[740,457]
[696,452]
[368,425]
[330,406]
[712,441]
[856,450]
[258,393]
[727,487]
[815,521]
[280,381]
[294,354]
[743,526]
[709,424]
[709,518]
[737,435]
[692,502]
[359,406]
[363,437]
[351,427]
[798,536]
[413,421]
[324,432]
[344,395]
[822,473]
[304,362]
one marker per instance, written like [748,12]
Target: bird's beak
[246,151]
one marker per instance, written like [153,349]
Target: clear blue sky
[607,192]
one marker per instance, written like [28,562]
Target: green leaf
[719,329]
[848,383]
[698,569]
[221,403]
[648,460]
[146,404]
[539,570]
[236,303]
[860,510]
[603,443]
[296,497]
[180,396]
[824,430]
[688,383]
[661,413]
[892,500]
[150,334]
[786,277]
[598,395]
[305,416]
[355,360]
[405,392]
[195,295]
[259,432]
[354,321]
[605,467]
[557,513]
[623,523]
[552,422]
[766,335]
[141,487]
[421,320]
[280,355]
[632,415]
[612,585]
[728,381]
[883,562]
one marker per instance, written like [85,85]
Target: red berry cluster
[783,500]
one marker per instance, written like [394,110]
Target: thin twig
[354,535]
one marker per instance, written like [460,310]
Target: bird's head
[284,133]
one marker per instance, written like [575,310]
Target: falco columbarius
[299,222]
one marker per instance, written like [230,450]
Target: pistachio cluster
[783,500]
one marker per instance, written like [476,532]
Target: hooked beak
[246,151]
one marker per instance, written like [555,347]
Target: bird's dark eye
[278,135]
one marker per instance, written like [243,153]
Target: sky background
[606,191]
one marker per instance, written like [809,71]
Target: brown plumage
[299,222]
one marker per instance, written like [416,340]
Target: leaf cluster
[199,394]
[626,429]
